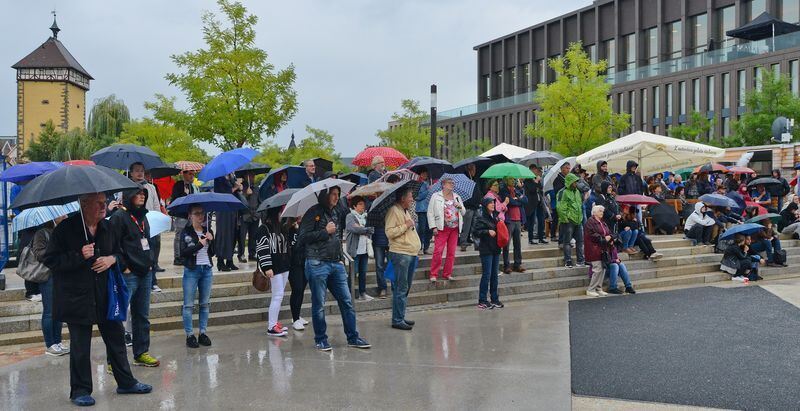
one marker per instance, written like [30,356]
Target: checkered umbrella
[464,186]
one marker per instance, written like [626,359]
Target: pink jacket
[499,206]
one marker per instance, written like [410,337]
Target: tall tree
[108,116]
[170,143]
[459,146]
[774,99]
[408,135]
[574,112]
[695,130]
[54,145]
[235,95]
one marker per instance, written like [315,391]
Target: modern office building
[667,58]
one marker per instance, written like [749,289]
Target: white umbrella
[652,152]
[306,198]
[159,222]
[550,176]
[509,150]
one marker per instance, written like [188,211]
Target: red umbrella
[793,182]
[80,162]
[392,157]
[164,185]
[189,165]
[740,170]
[636,199]
[761,209]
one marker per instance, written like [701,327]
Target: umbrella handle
[83,224]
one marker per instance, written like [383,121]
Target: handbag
[30,268]
[502,234]
[118,295]
[388,272]
[260,281]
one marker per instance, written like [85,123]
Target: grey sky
[355,59]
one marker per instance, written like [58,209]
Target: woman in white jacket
[445,219]
[699,225]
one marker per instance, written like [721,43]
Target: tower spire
[54,27]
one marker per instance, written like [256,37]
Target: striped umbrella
[464,186]
[34,217]
[189,165]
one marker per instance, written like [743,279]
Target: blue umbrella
[210,201]
[34,217]
[718,200]
[464,186]
[746,229]
[226,163]
[296,175]
[29,171]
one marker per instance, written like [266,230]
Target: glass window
[540,71]
[669,107]
[741,87]
[675,31]
[753,8]
[645,109]
[790,11]
[682,98]
[487,84]
[710,93]
[699,32]
[497,87]
[776,69]
[656,102]
[629,43]
[726,90]
[632,108]
[726,20]
[651,44]
[591,51]
[696,94]
[525,79]
[794,73]
[758,73]
[610,54]
[512,81]
[726,126]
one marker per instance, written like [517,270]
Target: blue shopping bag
[118,295]
[388,273]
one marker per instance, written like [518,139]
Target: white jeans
[278,283]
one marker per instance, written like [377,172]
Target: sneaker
[402,326]
[359,343]
[305,322]
[191,342]
[64,348]
[738,278]
[382,294]
[139,388]
[427,252]
[615,291]
[463,248]
[156,289]
[242,259]
[433,280]
[591,293]
[83,401]
[159,269]
[323,346]
[298,325]
[276,331]
[497,304]
[569,264]
[35,298]
[128,339]
[581,264]
[602,293]
[544,241]
[54,350]
[279,325]
[656,256]
[146,360]
[485,306]
[204,340]
[177,262]
[365,297]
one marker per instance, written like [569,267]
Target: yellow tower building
[51,85]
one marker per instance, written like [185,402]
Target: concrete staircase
[234,300]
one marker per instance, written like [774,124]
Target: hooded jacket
[779,190]
[698,217]
[609,203]
[601,177]
[484,222]
[569,202]
[273,249]
[319,244]
[630,183]
[787,216]
[133,233]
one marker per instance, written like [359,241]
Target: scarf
[362,218]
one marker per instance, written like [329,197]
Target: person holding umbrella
[226,224]
[512,191]
[761,196]
[248,224]
[558,185]
[378,169]
[534,208]
[356,242]
[404,244]
[182,188]
[767,240]
[196,252]
[445,218]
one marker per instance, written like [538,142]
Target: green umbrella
[685,172]
[772,216]
[504,170]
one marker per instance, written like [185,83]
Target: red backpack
[502,234]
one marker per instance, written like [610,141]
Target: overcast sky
[355,59]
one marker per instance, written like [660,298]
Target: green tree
[774,99]
[409,136]
[108,116]
[54,145]
[235,94]
[574,112]
[459,146]
[695,130]
[318,143]
[171,144]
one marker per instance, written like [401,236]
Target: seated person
[699,225]
[656,191]
[789,215]
[629,229]
[617,267]
[646,246]
[766,240]
[761,196]
[738,263]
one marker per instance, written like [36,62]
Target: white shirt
[202,254]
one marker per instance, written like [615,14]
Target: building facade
[666,58]
[51,86]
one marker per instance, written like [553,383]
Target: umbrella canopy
[121,156]
[636,199]
[371,189]
[652,152]
[711,168]
[379,207]
[664,217]
[762,27]
[34,217]
[540,159]
[764,181]
[79,163]
[164,186]
[508,170]
[25,172]
[322,166]
[436,167]
[226,163]
[306,197]
[718,200]
[295,177]
[509,151]
[255,168]
[392,157]
[404,175]
[481,165]
[278,200]
[189,165]
[207,187]
[464,186]
[68,183]
[166,170]
[745,229]
[211,202]
[359,179]
[550,176]
[775,218]
[761,209]
[159,222]
[740,170]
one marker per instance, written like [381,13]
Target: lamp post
[433,120]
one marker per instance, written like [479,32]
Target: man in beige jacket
[404,244]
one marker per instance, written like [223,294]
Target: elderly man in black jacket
[324,268]
[79,256]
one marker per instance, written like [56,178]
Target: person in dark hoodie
[631,183]
[486,230]
[196,252]
[779,191]
[273,256]
[133,233]
[324,269]
[601,177]
[534,208]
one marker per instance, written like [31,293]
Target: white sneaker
[738,278]
[305,322]
[298,325]
[602,293]
[35,298]
[364,297]
[156,289]
[656,256]
[54,350]
[64,348]
[591,293]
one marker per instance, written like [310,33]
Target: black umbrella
[358,179]
[379,207]
[481,164]
[68,183]
[764,181]
[166,170]
[664,217]
[278,200]
[500,158]
[121,156]
[255,168]
[436,167]
[541,159]
[322,165]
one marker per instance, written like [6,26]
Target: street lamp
[433,120]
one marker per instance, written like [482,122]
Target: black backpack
[779,257]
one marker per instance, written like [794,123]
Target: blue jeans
[140,288]
[194,280]
[423,230]
[404,274]
[361,267]
[380,265]
[491,266]
[536,217]
[615,269]
[568,231]
[50,329]
[329,275]
[628,238]
[760,246]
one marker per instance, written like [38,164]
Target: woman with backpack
[50,329]
[486,230]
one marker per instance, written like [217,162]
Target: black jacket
[80,296]
[611,209]
[533,191]
[474,202]
[131,228]
[483,223]
[273,250]
[189,245]
[558,182]
[179,190]
[630,183]
[319,244]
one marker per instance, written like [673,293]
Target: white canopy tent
[509,150]
[652,152]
